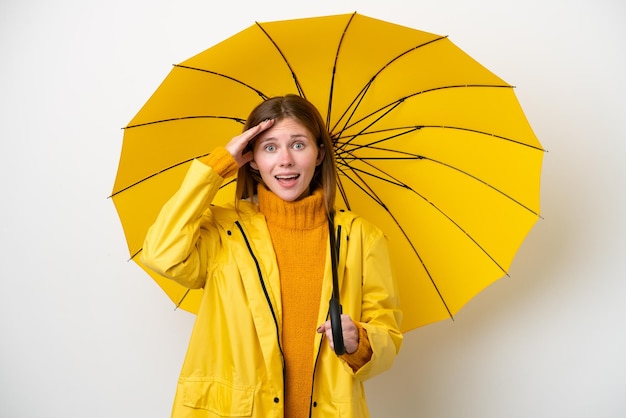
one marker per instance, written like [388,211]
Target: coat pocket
[351,409]
[221,398]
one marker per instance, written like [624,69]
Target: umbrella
[431,146]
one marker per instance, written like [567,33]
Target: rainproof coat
[234,364]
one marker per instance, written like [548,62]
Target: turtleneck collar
[306,213]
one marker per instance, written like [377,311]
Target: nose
[285,158]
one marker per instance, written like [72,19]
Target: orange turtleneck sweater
[299,233]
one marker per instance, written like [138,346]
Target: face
[286,156]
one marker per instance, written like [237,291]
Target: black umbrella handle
[335,324]
[334,305]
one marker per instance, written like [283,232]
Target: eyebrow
[294,136]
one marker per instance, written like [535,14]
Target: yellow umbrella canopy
[431,146]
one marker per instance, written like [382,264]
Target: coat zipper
[267,296]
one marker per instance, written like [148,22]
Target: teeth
[287,177]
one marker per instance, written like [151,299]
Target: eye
[298,146]
[270,148]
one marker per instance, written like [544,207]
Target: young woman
[257,348]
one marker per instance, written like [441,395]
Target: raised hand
[237,147]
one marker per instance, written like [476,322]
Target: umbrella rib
[410,129]
[411,156]
[135,254]
[332,80]
[361,95]
[293,74]
[437,208]
[353,137]
[391,179]
[260,93]
[492,187]
[161,172]
[182,298]
[406,130]
[476,131]
[235,119]
[186,291]
[343,193]
[370,193]
[397,102]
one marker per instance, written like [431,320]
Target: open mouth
[287,180]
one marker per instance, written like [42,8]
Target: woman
[267,280]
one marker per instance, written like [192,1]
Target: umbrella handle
[335,324]
[334,310]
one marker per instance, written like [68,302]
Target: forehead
[285,128]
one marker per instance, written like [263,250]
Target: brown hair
[300,109]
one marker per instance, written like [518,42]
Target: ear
[320,155]
[254,165]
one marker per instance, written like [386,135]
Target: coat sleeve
[178,244]
[380,311]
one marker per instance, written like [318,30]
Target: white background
[84,333]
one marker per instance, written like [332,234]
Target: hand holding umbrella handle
[335,323]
